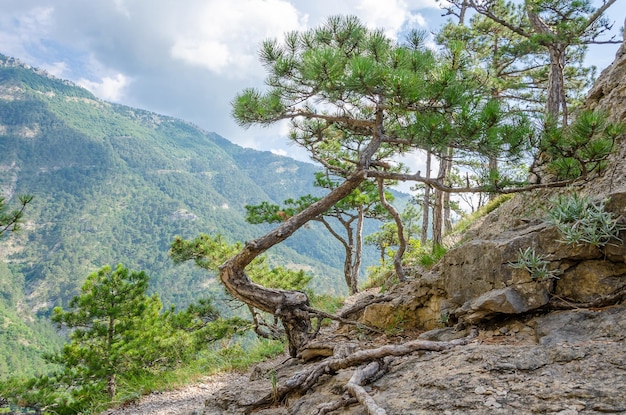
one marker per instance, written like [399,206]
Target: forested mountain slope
[116,184]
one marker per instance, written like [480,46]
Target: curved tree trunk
[556,85]
[439,202]
[493,175]
[348,246]
[290,306]
[438,218]
[447,208]
[286,305]
[348,266]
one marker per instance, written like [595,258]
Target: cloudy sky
[188,58]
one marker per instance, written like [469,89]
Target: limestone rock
[589,280]
[609,91]
[503,301]
[575,362]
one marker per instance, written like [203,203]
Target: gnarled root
[302,381]
[355,386]
[356,392]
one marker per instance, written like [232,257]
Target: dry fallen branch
[304,380]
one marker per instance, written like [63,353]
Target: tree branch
[597,14]
[437,184]
[487,13]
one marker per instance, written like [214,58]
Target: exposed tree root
[346,400]
[264,329]
[312,349]
[560,303]
[304,380]
[355,386]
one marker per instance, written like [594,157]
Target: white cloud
[214,55]
[109,89]
[224,36]
[416,20]
[34,20]
[392,15]
[389,15]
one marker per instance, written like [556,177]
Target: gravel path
[187,400]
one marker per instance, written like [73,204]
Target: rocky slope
[555,346]
[564,363]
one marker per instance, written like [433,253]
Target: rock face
[609,90]
[476,281]
[562,363]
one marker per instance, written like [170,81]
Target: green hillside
[115,184]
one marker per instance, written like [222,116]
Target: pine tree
[10,220]
[557,28]
[356,100]
[106,318]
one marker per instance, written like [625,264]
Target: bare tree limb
[329,407]
[437,184]
[597,14]
[363,304]
[487,13]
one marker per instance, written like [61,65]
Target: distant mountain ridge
[116,184]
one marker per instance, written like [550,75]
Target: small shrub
[274,381]
[428,259]
[326,302]
[581,220]
[535,264]
[444,318]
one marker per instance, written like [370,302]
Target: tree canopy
[560,30]
[356,101]
[118,333]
